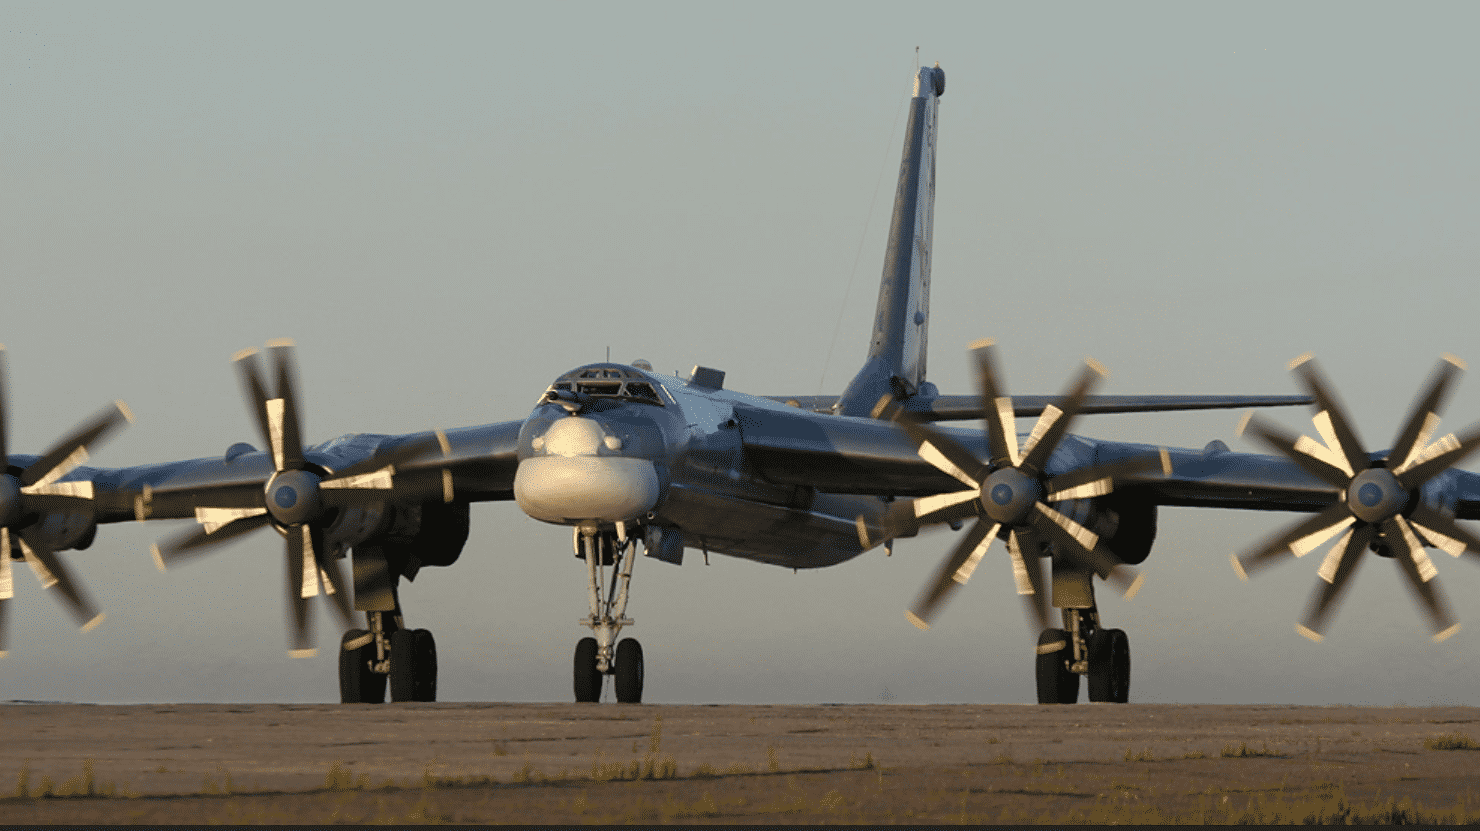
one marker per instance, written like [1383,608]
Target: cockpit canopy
[605,381]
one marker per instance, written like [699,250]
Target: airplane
[631,459]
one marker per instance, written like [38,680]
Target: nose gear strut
[609,556]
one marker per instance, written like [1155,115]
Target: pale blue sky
[448,205]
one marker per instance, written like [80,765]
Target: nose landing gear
[609,556]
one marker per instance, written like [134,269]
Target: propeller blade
[302,580]
[1421,574]
[1082,545]
[333,575]
[179,548]
[250,371]
[7,583]
[944,507]
[1456,449]
[1036,456]
[71,450]
[943,451]
[1297,540]
[1331,413]
[1099,480]
[1301,451]
[52,572]
[1001,424]
[1420,424]
[1027,570]
[394,458]
[289,417]
[1444,532]
[943,582]
[1336,576]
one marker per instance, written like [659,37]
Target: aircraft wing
[480,462]
[853,455]
[964,407]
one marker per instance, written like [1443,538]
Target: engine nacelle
[59,532]
[431,534]
[1130,520]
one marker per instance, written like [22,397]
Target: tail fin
[896,357]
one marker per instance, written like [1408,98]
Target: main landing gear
[609,555]
[387,652]
[1081,648]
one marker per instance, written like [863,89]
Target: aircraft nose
[568,489]
[572,481]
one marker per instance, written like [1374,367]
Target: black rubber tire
[413,665]
[587,679]
[1120,666]
[1109,666]
[358,684]
[1056,684]
[629,671]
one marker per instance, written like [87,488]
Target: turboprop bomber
[634,461]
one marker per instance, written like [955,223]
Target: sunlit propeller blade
[1331,413]
[979,536]
[1424,418]
[1298,450]
[57,574]
[1335,580]
[1027,568]
[997,413]
[1298,540]
[1036,457]
[1421,575]
[183,547]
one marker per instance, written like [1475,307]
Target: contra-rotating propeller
[1010,491]
[1379,504]
[28,494]
[299,499]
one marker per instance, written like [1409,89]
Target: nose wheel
[609,555]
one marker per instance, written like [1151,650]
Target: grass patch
[1145,755]
[1243,751]
[1451,741]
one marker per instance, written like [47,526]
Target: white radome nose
[573,484]
[572,436]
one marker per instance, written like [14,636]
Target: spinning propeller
[1011,492]
[28,494]
[1379,503]
[299,500]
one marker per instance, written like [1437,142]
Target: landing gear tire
[358,684]
[1056,684]
[413,665]
[587,678]
[629,671]
[1109,666]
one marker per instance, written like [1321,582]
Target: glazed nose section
[571,483]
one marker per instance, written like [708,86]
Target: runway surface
[181,749]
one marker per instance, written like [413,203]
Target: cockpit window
[609,381]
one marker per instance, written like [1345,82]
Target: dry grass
[1451,741]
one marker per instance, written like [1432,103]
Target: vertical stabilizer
[896,356]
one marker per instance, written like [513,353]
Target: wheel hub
[1008,495]
[1375,495]
[293,497]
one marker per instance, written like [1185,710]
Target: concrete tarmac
[169,748]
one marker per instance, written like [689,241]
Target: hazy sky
[447,205]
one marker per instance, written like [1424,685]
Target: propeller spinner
[31,492]
[1379,502]
[1010,492]
[299,499]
